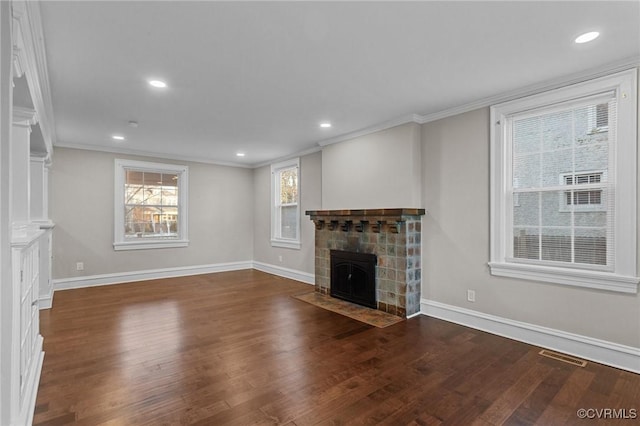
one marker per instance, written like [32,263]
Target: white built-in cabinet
[29,244]
[27,355]
[25,228]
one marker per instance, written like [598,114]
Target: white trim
[622,65]
[149,274]
[410,118]
[293,274]
[297,154]
[602,351]
[33,59]
[31,391]
[46,302]
[567,276]
[150,154]
[291,244]
[120,242]
[153,243]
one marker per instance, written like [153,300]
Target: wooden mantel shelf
[367,212]
[377,219]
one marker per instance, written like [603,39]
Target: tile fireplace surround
[393,235]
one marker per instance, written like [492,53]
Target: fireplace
[392,235]
[353,277]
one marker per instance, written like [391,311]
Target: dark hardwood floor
[235,348]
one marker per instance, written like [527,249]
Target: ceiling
[259,77]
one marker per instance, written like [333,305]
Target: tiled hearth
[393,235]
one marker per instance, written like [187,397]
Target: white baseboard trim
[46,301]
[293,274]
[602,351]
[150,274]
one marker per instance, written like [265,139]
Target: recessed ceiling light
[240,154]
[587,37]
[117,137]
[158,83]
[325,125]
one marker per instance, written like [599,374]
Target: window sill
[144,245]
[290,244]
[578,278]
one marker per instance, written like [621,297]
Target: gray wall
[442,166]
[220,217]
[380,170]
[455,160]
[310,199]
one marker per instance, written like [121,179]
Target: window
[574,148]
[582,196]
[285,196]
[150,205]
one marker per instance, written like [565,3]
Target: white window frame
[276,239]
[623,275]
[119,240]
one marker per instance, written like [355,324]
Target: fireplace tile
[398,271]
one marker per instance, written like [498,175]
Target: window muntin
[150,203]
[581,140]
[285,229]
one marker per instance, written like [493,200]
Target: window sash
[548,132]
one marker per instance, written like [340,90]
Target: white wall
[455,160]
[310,199]
[220,217]
[380,170]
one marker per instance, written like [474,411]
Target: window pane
[554,211]
[289,186]
[526,243]
[134,194]
[526,170]
[288,222]
[134,222]
[528,212]
[153,195]
[150,178]
[591,246]
[556,244]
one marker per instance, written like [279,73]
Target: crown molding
[31,59]
[150,154]
[409,118]
[287,157]
[622,65]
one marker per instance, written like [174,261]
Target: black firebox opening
[353,277]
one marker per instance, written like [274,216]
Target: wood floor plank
[235,348]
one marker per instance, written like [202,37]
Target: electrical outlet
[471,295]
[80,266]
[280,259]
